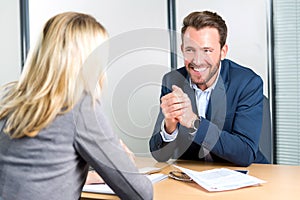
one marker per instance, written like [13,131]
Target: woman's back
[51,122]
[53,165]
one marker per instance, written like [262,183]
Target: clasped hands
[176,107]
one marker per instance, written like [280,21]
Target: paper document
[221,179]
[105,189]
[149,170]
[98,188]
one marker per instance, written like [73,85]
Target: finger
[181,96]
[176,96]
[172,103]
[186,102]
[176,88]
[174,114]
[168,107]
[177,92]
[176,107]
[179,118]
[165,97]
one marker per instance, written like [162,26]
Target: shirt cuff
[165,136]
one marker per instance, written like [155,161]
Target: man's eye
[189,50]
[208,50]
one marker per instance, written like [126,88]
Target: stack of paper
[105,189]
[221,179]
[149,170]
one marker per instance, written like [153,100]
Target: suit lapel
[216,111]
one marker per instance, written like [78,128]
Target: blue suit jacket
[231,129]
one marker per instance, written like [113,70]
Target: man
[211,109]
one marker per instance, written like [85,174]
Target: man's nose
[201,57]
[198,58]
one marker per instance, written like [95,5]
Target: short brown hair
[203,19]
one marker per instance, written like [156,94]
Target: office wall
[139,56]
[10,51]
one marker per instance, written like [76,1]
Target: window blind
[286,16]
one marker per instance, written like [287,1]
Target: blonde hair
[52,75]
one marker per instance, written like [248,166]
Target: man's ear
[224,51]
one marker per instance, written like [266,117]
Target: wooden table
[283,182]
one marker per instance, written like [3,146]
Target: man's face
[202,55]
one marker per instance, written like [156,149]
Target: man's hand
[176,107]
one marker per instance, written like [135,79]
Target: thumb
[176,89]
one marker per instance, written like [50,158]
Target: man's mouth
[199,69]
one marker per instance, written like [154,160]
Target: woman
[51,121]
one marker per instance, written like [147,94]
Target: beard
[203,79]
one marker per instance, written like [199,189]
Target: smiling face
[202,55]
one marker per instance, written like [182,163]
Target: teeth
[202,69]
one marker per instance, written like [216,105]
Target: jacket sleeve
[99,146]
